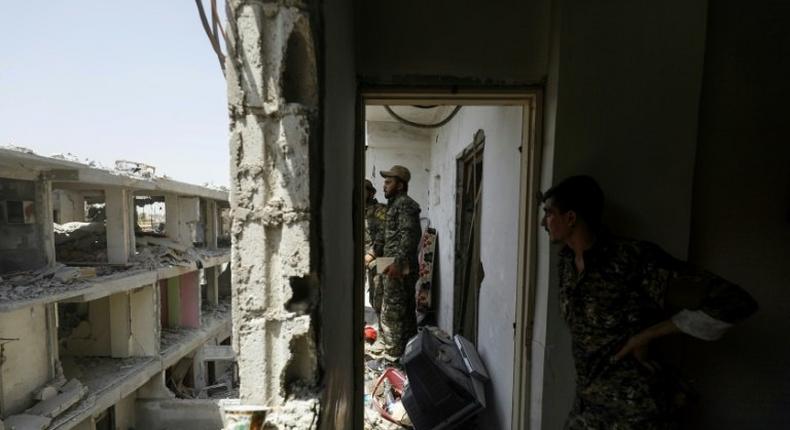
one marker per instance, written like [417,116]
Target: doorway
[473,162]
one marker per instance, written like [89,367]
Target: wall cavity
[272,99]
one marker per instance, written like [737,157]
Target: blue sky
[108,80]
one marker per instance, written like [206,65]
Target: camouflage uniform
[375,217]
[401,240]
[620,293]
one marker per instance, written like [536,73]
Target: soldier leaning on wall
[615,295]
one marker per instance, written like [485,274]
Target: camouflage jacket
[623,290]
[375,217]
[402,232]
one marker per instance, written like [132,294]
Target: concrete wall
[498,239]
[69,204]
[20,244]
[144,325]
[741,214]
[445,40]
[30,353]
[341,227]
[390,143]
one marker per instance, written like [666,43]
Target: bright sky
[109,80]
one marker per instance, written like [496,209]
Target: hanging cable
[419,125]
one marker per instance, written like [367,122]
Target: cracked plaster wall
[272,97]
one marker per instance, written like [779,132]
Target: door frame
[530,98]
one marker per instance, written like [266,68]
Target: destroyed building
[677,108]
[114,299]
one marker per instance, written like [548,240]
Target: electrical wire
[420,125]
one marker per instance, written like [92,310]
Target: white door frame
[531,101]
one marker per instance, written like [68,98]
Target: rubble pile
[50,280]
[81,242]
[53,399]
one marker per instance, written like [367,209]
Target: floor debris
[69,394]
[26,422]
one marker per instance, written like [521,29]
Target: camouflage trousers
[374,290]
[398,313]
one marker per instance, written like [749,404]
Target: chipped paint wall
[30,353]
[741,215]
[390,143]
[498,241]
[272,96]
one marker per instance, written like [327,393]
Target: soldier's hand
[637,346]
[369,259]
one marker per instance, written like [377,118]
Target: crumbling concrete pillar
[212,226]
[155,388]
[120,325]
[212,285]
[120,233]
[172,217]
[273,104]
[44,221]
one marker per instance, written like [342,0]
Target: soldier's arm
[368,238]
[377,245]
[701,303]
[408,229]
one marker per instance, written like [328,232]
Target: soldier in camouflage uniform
[402,234]
[375,216]
[614,297]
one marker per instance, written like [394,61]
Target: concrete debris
[67,274]
[69,157]
[27,422]
[17,148]
[152,240]
[135,168]
[45,393]
[70,394]
[218,353]
[214,186]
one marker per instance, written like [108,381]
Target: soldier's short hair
[580,194]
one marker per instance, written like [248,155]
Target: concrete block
[70,394]
[251,51]
[67,274]
[218,353]
[45,393]
[27,422]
